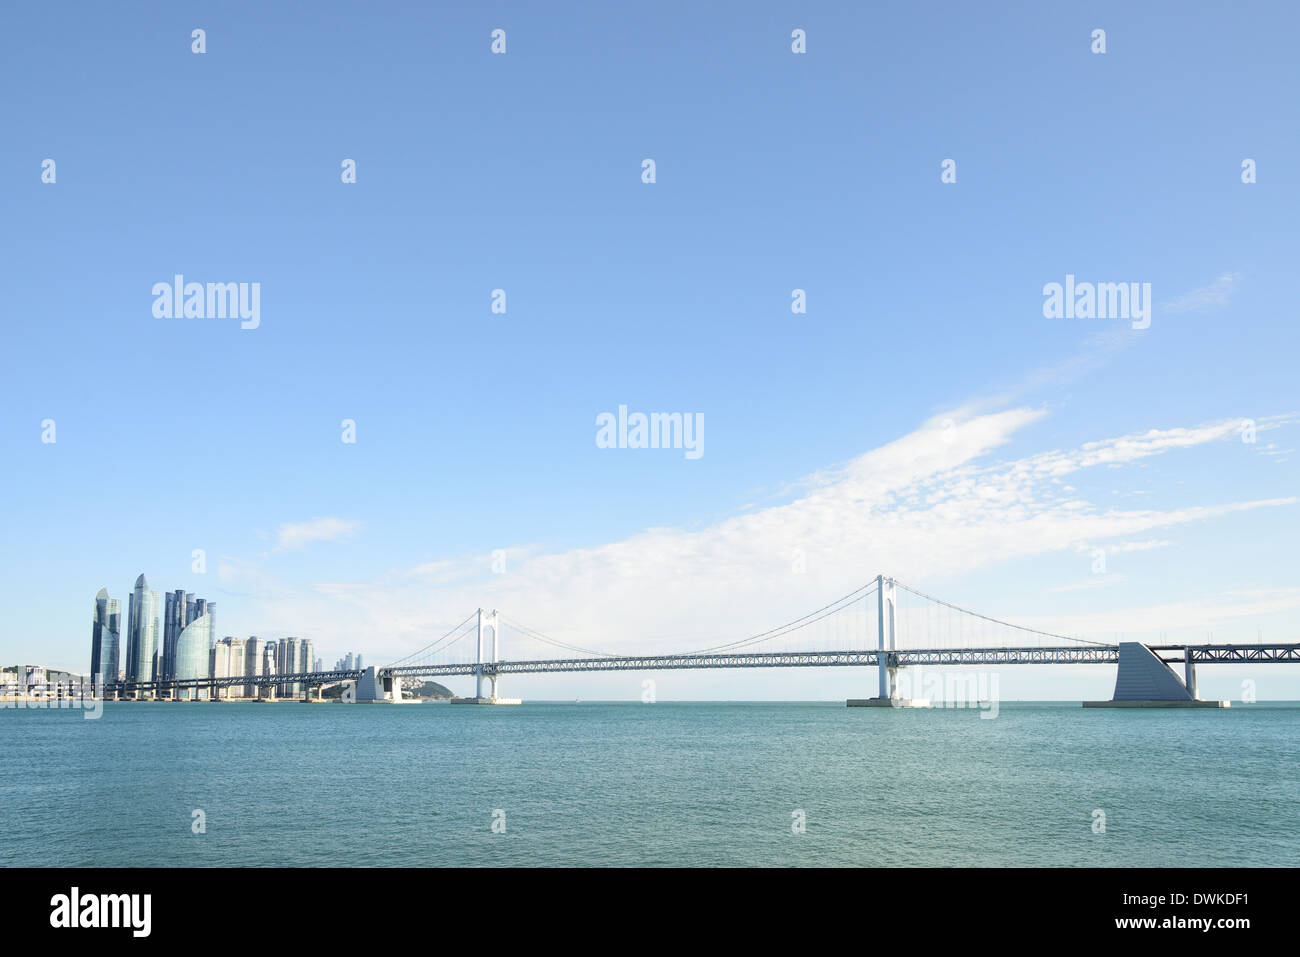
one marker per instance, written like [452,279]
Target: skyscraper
[173,623]
[197,607]
[142,632]
[181,608]
[270,656]
[228,662]
[194,655]
[289,655]
[254,650]
[105,631]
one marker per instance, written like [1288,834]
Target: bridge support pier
[1145,680]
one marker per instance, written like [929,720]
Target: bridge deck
[902,658]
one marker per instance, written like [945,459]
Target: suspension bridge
[886,625]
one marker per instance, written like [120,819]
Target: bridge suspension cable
[935,624]
[995,621]
[790,627]
[434,645]
[524,629]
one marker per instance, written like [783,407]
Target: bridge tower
[886,604]
[489,632]
[886,645]
[487,628]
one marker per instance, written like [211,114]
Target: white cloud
[1119,548]
[928,505]
[1199,614]
[298,534]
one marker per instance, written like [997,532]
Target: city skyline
[190,649]
[929,414]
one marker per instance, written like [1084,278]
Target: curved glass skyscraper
[142,632]
[180,608]
[193,655]
[105,631]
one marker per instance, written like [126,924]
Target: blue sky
[775,171]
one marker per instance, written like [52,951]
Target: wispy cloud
[1216,293]
[1201,613]
[298,534]
[1120,548]
[928,505]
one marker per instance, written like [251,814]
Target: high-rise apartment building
[254,648]
[270,666]
[174,622]
[228,662]
[289,664]
[194,656]
[105,633]
[142,632]
[181,608]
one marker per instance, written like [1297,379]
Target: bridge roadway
[898,658]
[312,678]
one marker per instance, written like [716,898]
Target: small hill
[427,689]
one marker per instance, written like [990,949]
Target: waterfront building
[65,684]
[254,649]
[210,609]
[194,656]
[270,656]
[174,622]
[180,609]
[105,632]
[204,607]
[34,678]
[142,632]
[289,664]
[228,662]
